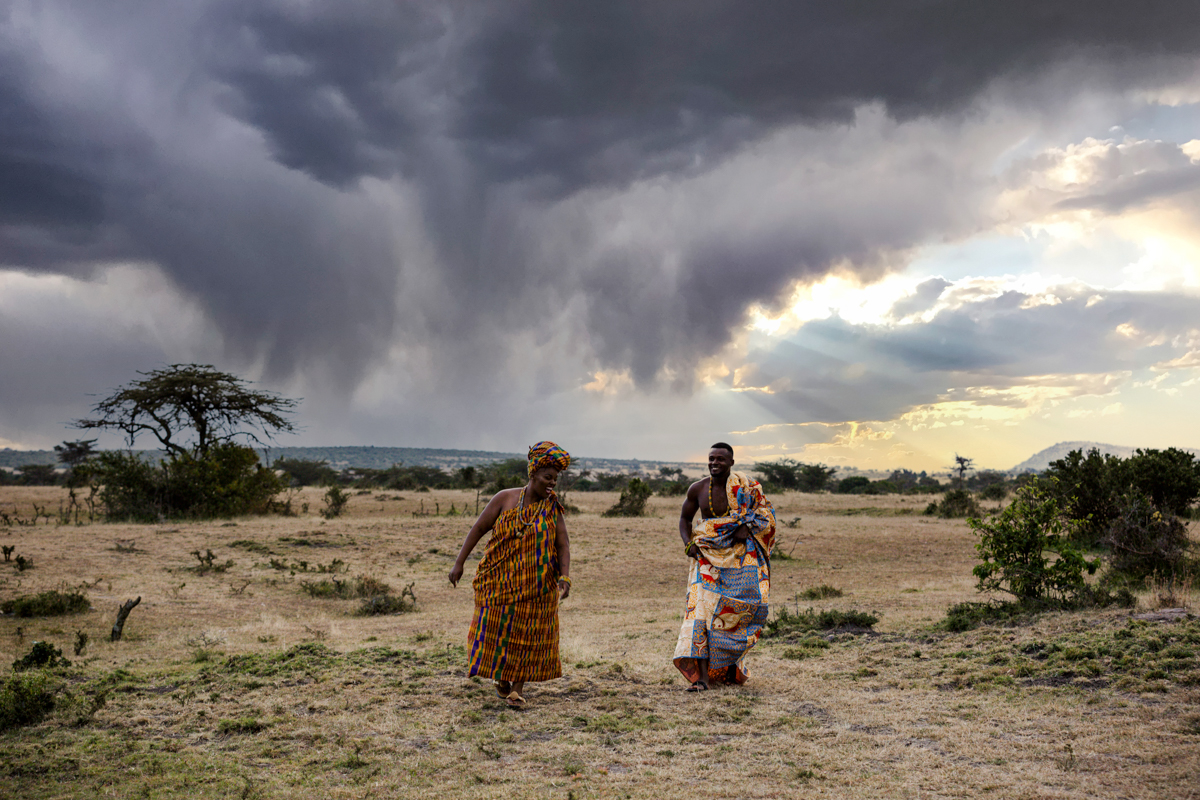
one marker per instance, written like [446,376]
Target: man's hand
[693,550]
[455,574]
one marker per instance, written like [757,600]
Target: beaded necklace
[711,513]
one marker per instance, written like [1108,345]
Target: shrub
[632,502]
[957,503]
[346,589]
[25,698]
[335,502]
[225,481]
[51,603]
[304,472]
[857,484]
[1170,478]
[1086,488]
[994,491]
[379,604]
[1143,541]
[42,655]
[1013,546]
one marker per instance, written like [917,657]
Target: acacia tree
[196,413]
[213,407]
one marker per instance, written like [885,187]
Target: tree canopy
[191,408]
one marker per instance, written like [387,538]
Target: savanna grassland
[235,680]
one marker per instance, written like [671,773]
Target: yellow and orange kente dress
[514,633]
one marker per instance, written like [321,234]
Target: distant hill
[1041,460]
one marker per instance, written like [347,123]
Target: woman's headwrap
[548,454]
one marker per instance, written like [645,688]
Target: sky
[862,234]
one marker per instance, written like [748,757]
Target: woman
[521,579]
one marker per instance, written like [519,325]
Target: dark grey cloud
[327,179]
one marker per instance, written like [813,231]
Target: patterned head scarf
[548,454]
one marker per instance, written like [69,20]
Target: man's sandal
[503,688]
[697,687]
[515,701]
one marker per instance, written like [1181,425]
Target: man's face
[720,461]
[544,480]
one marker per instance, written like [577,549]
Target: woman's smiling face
[543,480]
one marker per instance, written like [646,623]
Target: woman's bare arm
[482,525]
[562,544]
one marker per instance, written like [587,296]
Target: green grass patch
[791,626]
[241,725]
[25,698]
[51,603]
[821,592]
[251,546]
[1140,657]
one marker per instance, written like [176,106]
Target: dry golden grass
[208,697]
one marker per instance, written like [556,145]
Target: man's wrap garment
[729,585]
[514,633]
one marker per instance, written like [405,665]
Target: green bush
[379,604]
[956,504]
[42,655]
[25,698]
[994,491]
[1091,487]
[632,502]
[335,502]
[1142,540]
[1013,546]
[305,472]
[858,484]
[226,481]
[50,603]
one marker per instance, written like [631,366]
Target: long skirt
[516,641]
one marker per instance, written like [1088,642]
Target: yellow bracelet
[565,579]
[687,547]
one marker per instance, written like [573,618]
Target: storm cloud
[445,185]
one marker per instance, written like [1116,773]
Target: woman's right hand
[456,574]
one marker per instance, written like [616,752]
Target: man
[730,575]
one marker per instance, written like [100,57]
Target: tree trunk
[122,615]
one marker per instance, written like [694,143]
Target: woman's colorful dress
[514,633]
[729,585]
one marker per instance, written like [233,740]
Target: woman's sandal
[515,701]
[697,687]
[503,688]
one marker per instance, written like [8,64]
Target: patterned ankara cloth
[729,585]
[548,454]
[514,633]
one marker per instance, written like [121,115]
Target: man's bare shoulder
[696,488]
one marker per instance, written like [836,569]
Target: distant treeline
[789,475]
[491,477]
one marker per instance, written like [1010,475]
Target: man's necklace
[711,513]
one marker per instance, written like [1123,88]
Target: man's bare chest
[713,500]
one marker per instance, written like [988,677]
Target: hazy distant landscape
[368,457]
